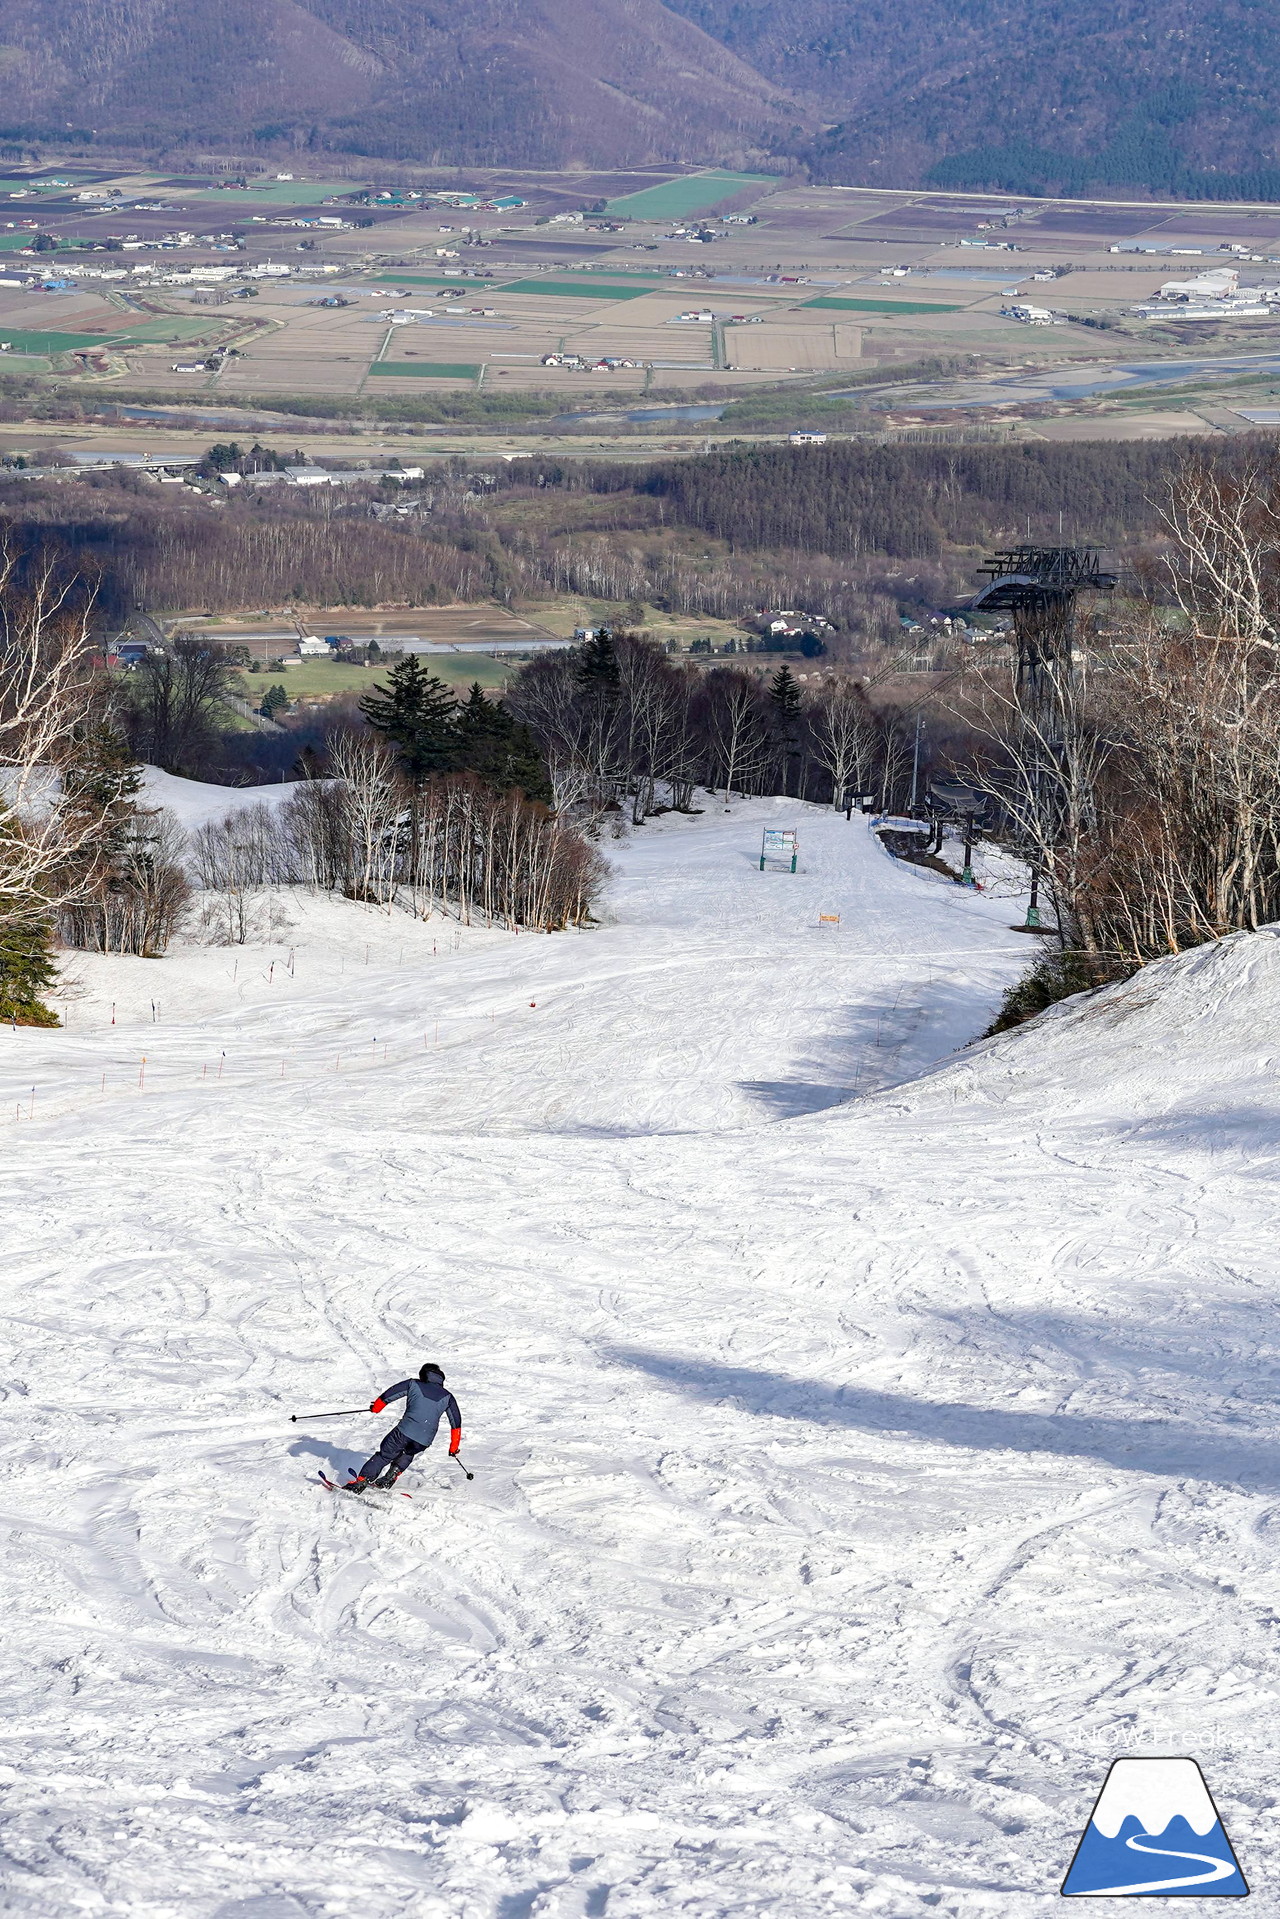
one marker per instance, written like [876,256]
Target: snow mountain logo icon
[1154,1830]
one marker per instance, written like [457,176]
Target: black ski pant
[395,1452]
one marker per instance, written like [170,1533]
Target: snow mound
[1191,1042]
[195,802]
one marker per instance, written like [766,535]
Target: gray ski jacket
[427,1400]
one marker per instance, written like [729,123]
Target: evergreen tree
[597,666]
[784,694]
[417,713]
[105,775]
[784,698]
[103,782]
[499,749]
[308,765]
[26,971]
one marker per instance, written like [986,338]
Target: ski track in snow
[862,1459]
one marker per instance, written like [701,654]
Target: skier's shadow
[339,1459]
[1176,1448]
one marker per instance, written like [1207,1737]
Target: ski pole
[344,1413]
[454,1457]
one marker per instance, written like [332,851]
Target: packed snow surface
[870,1440]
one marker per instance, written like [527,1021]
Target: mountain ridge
[1172,96]
[523,82]
[1169,96]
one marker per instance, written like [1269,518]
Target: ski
[334,1487]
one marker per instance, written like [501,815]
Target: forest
[1133,771]
[845,93]
[854,498]
[479,83]
[850,530]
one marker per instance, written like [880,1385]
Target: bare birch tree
[373,805]
[141,897]
[1051,745]
[236,860]
[48,700]
[737,730]
[846,738]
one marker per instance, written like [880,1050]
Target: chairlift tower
[1039,586]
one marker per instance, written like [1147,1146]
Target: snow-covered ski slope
[855,1476]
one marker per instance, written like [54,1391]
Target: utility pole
[915,763]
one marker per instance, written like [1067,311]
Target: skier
[426,1399]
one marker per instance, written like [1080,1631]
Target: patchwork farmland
[598,288]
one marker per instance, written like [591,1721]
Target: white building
[1028,315]
[1219,284]
[1241,308]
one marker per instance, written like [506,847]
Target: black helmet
[431,1368]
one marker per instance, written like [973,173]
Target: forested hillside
[907,501]
[1172,95]
[1168,95]
[521,82]
[845,529]
[912,501]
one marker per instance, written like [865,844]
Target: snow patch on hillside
[195,802]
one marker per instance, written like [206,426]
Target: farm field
[39,341]
[563,615]
[878,306]
[413,280]
[280,193]
[318,680]
[803,282]
[574,289]
[427,370]
[267,635]
[696,194]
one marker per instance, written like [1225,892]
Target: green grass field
[430,280]
[280,193]
[10,242]
[33,340]
[171,327]
[610,276]
[575,290]
[695,193]
[39,341]
[42,186]
[882,306]
[424,370]
[318,679]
